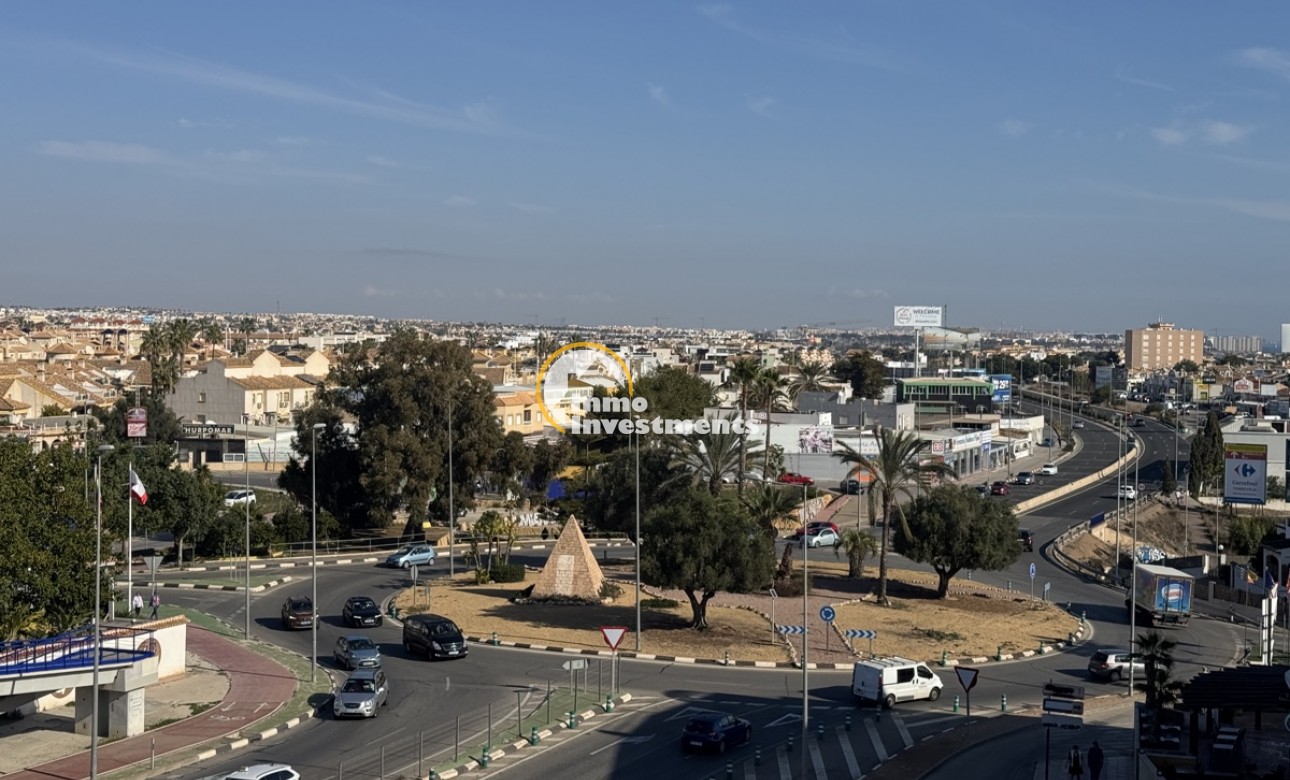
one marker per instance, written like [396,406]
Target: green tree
[709,459]
[163,426]
[810,378]
[1168,484]
[866,374]
[611,505]
[769,504]
[895,473]
[704,545]
[156,349]
[1157,654]
[549,458]
[857,545]
[673,393]
[402,401]
[744,372]
[769,393]
[1187,367]
[952,528]
[187,504]
[1206,455]
[512,464]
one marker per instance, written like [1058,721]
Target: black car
[361,611]
[715,731]
[298,612]
[1026,540]
[852,487]
[434,636]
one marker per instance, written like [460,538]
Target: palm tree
[710,459]
[768,391]
[1157,654]
[743,372]
[180,334]
[768,505]
[211,335]
[155,348]
[895,472]
[858,545]
[810,379]
[246,326]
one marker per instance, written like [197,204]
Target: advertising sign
[919,316]
[136,423]
[1103,376]
[1242,386]
[1002,388]
[1245,471]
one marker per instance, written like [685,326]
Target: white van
[886,681]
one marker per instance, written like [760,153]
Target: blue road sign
[827,614]
[860,633]
[1032,571]
[786,630]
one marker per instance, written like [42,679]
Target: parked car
[362,695]
[265,772]
[816,525]
[298,612]
[434,636]
[1112,664]
[821,537]
[356,652]
[715,731]
[411,555]
[1048,469]
[237,497]
[983,489]
[1000,489]
[793,478]
[1078,425]
[1025,478]
[1026,539]
[1141,422]
[1127,491]
[361,611]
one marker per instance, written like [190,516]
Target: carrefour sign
[1245,471]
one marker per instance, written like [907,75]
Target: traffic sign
[1032,571]
[1068,706]
[827,614]
[860,633]
[967,676]
[613,635]
[412,572]
[791,629]
[575,665]
[1053,720]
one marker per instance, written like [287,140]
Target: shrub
[659,603]
[508,572]
[610,590]
[482,577]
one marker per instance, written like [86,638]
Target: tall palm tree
[768,504]
[709,459]
[858,545]
[810,379]
[246,326]
[155,347]
[768,392]
[180,334]
[1157,654]
[894,473]
[211,335]
[743,373]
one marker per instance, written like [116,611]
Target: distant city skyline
[743,165]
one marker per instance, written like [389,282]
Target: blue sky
[1042,165]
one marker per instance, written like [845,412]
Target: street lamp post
[638,539]
[452,510]
[806,635]
[246,501]
[313,501]
[98,608]
[1133,586]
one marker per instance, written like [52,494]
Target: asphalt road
[641,740]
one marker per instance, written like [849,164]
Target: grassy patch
[659,603]
[941,636]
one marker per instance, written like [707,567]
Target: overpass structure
[128,659]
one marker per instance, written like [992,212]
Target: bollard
[945,657]
[494,639]
[533,735]
[819,732]
[1083,614]
[1003,702]
[757,756]
[789,747]
[730,771]
[483,757]
[998,654]
[1042,647]
[573,719]
[848,723]
[609,703]
[1009,586]
[1070,639]
[727,661]
[956,703]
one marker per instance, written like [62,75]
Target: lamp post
[246,470]
[98,608]
[1133,586]
[806,636]
[638,538]
[452,510]
[313,501]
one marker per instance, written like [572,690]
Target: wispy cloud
[1222,133]
[760,105]
[1274,61]
[379,292]
[499,294]
[658,94]
[1015,127]
[382,162]
[460,201]
[845,52]
[591,297]
[473,118]
[1209,131]
[857,293]
[191,124]
[225,165]
[1275,210]
[1120,75]
[1170,136]
[532,208]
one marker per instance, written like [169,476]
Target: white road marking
[874,737]
[853,766]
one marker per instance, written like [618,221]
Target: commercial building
[1160,346]
[1285,338]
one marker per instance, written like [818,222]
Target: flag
[1269,583]
[137,489]
[1251,577]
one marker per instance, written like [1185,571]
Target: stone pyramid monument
[571,572]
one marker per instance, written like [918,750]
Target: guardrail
[71,650]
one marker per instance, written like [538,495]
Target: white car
[1128,491]
[821,537]
[238,497]
[1048,469]
[264,772]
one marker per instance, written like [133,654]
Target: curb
[520,744]
[238,744]
[238,588]
[283,565]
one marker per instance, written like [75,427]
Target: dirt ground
[1158,525]
[917,625]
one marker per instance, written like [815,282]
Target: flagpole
[129,543]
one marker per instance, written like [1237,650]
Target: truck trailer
[1162,595]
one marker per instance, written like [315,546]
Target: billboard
[1103,376]
[136,423]
[815,440]
[1242,386]
[1245,470]
[919,316]
[1002,388]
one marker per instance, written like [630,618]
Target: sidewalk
[258,687]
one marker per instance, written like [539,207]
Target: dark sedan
[298,612]
[1000,489]
[361,611]
[715,731]
[1025,478]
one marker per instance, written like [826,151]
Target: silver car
[356,652]
[1112,664]
[362,695]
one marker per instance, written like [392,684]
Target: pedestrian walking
[1074,765]
[545,534]
[1095,761]
[137,604]
[156,604]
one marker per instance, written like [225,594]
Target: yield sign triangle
[967,677]
[613,635]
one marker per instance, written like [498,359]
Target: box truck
[1162,595]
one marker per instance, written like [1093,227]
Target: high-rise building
[1160,346]
[1285,338]
[1237,344]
